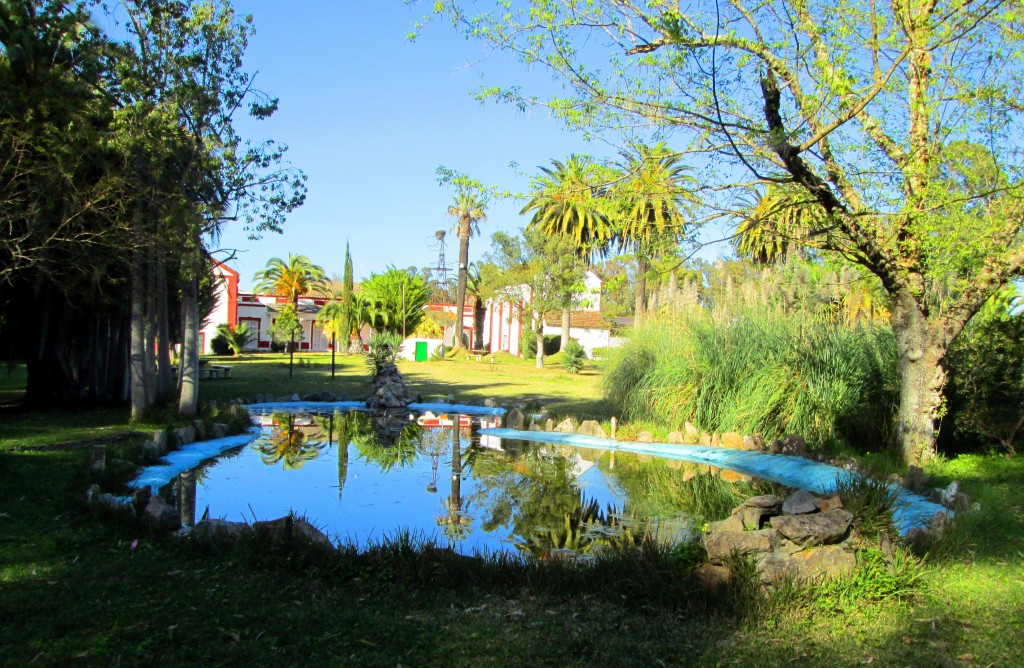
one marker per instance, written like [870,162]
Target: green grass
[72,589]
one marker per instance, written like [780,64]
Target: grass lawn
[74,590]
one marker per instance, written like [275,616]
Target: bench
[214,371]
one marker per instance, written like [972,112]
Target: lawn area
[73,589]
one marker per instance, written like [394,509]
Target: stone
[830,503]
[775,447]
[825,528]
[805,566]
[92,493]
[489,402]
[108,501]
[758,443]
[160,517]
[515,419]
[645,437]
[769,502]
[800,502]
[200,430]
[184,435]
[731,523]
[98,463]
[159,439]
[716,440]
[676,438]
[219,430]
[140,499]
[711,576]
[535,427]
[295,530]
[549,425]
[794,445]
[750,517]
[690,433]
[731,440]
[294,397]
[566,426]
[704,439]
[720,545]
[211,531]
[592,428]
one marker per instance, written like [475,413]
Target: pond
[364,479]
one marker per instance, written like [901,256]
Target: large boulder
[721,544]
[800,502]
[184,435]
[827,562]
[160,517]
[515,419]
[213,531]
[818,529]
[289,530]
[591,428]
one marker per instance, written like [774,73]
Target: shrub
[235,338]
[574,356]
[759,372]
[438,354]
[219,345]
[384,347]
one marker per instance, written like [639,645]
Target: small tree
[236,337]
[287,329]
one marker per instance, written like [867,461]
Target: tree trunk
[188,400]
[479,313]
[566,319]
[165,383]
[291,344]
[921,379]
[151,329]
[137,362]
[334,349]
[460,292]
[641,289]
[538,327]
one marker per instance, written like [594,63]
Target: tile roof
[582,319]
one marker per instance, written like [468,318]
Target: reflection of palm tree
[455,523]
[288,444]
[187,497]
[386,441]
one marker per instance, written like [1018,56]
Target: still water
[363,479]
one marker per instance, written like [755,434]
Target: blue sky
[369,116]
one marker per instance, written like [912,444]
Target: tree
[648,206]
[476,285]
[568,201]
[395,300]
[546,266]
[854,103]
[333,319]
[347,302]
[237,337]
[289,279]
[468,209]
[781,220]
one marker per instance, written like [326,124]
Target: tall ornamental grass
[760,371]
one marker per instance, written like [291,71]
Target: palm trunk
[460,292]
[455,496]
[291,345]
[151,329]
[641,289]
[334,349]
[163,351]
[566,319]
[479,313]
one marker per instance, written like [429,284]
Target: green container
[421,351]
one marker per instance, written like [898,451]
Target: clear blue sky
[369,116]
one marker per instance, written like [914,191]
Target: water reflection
[363,479]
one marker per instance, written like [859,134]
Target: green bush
[574,356]
[219,345]
[384,347]
[759,372]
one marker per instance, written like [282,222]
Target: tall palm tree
[780,221]
[469,210]
[568,201]
[290,279]
[649,206]
[333,320]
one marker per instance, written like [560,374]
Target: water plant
[573,356]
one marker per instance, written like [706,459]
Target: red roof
[581,319]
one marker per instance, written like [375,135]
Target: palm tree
[468,209]
[781,220]
[289,279]
[649,204]
[475,286]
[333,320]
[568,201]
[237,337]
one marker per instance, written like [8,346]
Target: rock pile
[389,390]
[803,538]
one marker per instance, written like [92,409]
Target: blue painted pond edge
[911,511]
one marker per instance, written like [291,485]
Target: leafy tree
[287,328]
[395,300]
[547,267]
[857,104]
[468,209]
[289,279]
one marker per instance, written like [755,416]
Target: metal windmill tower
[440,272]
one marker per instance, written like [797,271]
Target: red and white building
[503,323]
